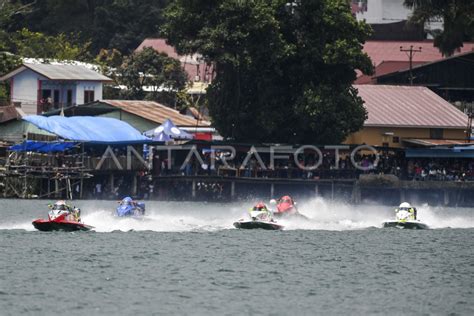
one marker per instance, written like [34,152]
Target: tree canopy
[283,70]
[107,24]
[148,68]
[457,17]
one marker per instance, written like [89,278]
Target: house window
[396,139]
[88,96]
[436,133]
[385,145]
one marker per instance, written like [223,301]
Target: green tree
[8,60]
[149,68]
[119,24]
[283,70]
[457,17]
[38,45]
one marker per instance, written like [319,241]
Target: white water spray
[199,216]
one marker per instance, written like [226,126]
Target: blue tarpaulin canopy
[88,129]
[168,131]
[42,147]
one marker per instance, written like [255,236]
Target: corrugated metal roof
[407,106]
[61,72]
[155,112]
[436,142]
[8,113]
[380,51]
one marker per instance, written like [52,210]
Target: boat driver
[405,206]
[260,206]
[60,207]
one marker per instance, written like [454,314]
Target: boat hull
[257,225]
[405,224]
[68,226]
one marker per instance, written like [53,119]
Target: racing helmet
[60,206]
[260,206]
[127,200]
[286,199]
[404,206]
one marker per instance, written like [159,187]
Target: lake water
[187,259]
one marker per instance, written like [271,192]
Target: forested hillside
[104,23]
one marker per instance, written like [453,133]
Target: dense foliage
[119,24]
[457,17]
[283,70]
[157,72]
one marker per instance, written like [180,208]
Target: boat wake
[196,216]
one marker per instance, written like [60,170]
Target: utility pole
[410,52]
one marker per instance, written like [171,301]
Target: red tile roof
[155,112]
[380,51]
[159,44]
[407,106]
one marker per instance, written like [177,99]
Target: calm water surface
[186,259]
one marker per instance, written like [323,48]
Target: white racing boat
[404,219]
[258,219]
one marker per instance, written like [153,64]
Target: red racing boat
[46,225]
[286,207]
[60,218]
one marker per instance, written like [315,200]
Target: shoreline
[369,188]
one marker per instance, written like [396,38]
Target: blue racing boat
[130,208]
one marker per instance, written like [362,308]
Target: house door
[56,99]
[69,97]
[46,100]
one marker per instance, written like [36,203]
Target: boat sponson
[46,226]
[406,224]
[257,224]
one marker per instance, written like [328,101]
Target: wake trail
[323,214]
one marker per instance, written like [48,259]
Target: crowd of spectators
[393,163]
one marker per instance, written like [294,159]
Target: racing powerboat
[130,208]
[404,219]
[258,219]
[286,207]
[61,218]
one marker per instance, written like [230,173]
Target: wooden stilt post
[332,190]
[232,189]
[111,183]
[134,184]
[193,189]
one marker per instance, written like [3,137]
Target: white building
[387,11]
[38,88]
